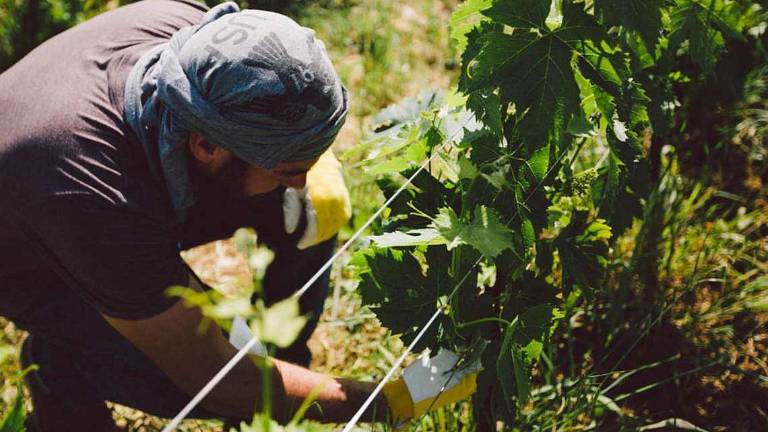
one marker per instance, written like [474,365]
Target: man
[145,131]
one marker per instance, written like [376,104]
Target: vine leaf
[484,231]
[584,257]
[523,341]
[280,323]
[701,23]
[524,14]
[466,17]
[394,282]
[535,75]
[539,163]
[531,68]
[642,16]
[511,374]
[424,236]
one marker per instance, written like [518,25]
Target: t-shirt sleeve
[120,261]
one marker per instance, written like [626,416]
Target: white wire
[353,421]
[174,423]
[359,232]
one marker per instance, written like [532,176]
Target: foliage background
[687,339]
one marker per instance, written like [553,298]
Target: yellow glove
[428,384]
[325,200]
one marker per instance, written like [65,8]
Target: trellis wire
[353,421]
[174,423]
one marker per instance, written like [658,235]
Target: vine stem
[482,321]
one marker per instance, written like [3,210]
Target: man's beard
[228,183]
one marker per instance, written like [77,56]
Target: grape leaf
[532,69]
[401,294]
[583,252]
[606,188]
[466,17]
[533,329]
[485,231]
[415,237]
[525,14]
[505,367]
[413,155]
[642,16]
[280,324]
[700,23]
[426,193]
[534,73]
[539,163]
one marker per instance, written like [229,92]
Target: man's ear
[210,156]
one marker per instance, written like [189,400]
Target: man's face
[288,174]
[237,179]
[216,172]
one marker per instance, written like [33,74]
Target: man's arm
[121,262]
[190,359]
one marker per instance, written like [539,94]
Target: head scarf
[253,82]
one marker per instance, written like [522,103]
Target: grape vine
[549,132]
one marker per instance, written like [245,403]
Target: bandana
[253,82]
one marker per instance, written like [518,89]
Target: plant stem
[483,320]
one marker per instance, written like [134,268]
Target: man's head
[259,85]
[255,85]
[216,168]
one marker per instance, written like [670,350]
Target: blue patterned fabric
[253,82]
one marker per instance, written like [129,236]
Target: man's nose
[296,182]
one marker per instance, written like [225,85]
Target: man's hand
[428,384]
[325,200]
[190,359]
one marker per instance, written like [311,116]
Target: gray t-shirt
[76,192]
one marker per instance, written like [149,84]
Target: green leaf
[467,170]
[6,352]
[401,293]
[488,106]
[484,231]
[533,329]
[532,69]
[642,16]
[539,163]
[527,232]
[525,14]
[606,188]
[583,252]
[417,237]
[466,17]
[413,155]
[13,420]
[279,324]
[426,193]
[484,147]
[513,370]
[700,23]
